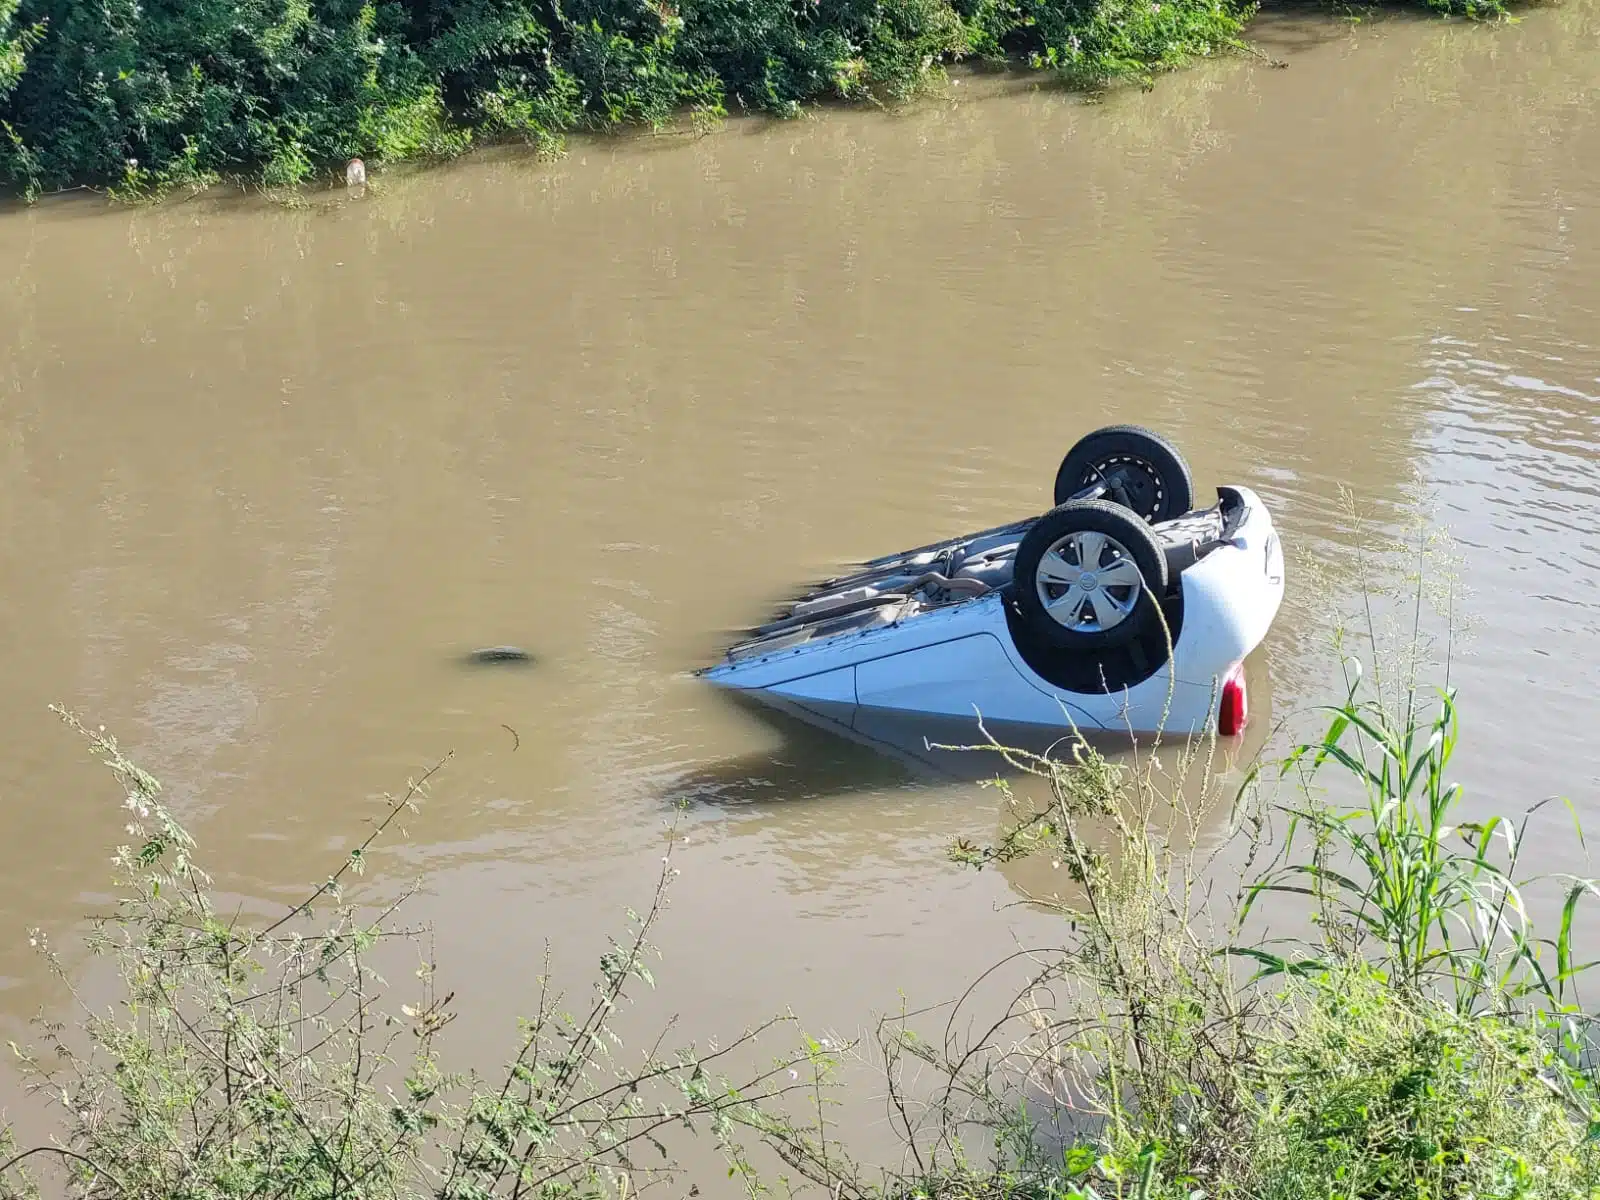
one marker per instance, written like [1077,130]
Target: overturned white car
[1122,608]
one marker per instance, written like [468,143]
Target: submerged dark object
[500,654]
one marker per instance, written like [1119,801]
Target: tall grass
[1420,1041]
[1401,882]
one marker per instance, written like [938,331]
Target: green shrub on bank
[14,44]
[1364,1094]
[143,96]
[147,94]
[139,96]
[271,1058]
[1424,1044]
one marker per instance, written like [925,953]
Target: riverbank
[138,101]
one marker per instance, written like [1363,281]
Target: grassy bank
[139,96]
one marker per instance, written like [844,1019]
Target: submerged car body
[943,629]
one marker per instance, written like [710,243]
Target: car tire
[1160,485]
[1089,576]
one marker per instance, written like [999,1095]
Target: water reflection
[829,749]
[905,774]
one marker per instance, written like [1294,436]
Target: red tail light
[1234,710]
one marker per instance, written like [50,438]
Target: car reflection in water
[830,750]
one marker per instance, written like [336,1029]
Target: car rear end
[1231,594]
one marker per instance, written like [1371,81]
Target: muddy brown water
[265,474]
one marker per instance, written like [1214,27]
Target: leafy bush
[139,96]
[144,95]
[17,166]
[14,46]
[1364,1094]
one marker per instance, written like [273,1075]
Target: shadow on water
[818,756]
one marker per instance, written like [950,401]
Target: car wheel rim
[1088,582]
[1142,482]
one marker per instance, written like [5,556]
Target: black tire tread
[1177,476]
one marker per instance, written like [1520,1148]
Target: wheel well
[1098,672]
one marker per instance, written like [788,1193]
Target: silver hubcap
[1088,582]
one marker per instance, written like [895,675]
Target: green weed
[267,1059]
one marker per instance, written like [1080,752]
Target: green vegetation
[1424,1044]
[268,1060]
[1419,1042]
[139,96]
